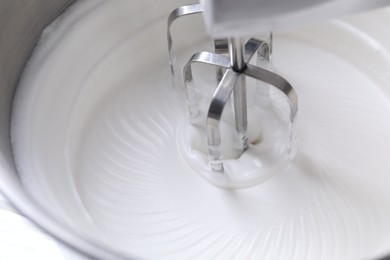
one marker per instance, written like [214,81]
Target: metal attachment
[231,58]
[220,45]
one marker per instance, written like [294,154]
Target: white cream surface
[98,139]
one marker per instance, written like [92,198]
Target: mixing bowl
[22,23]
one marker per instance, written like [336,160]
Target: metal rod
[237,62]
[221,46]
[217,105]
[175,14]
[236,52]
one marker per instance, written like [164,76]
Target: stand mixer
[227,22]
[109,154]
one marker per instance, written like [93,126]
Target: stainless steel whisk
[231,58]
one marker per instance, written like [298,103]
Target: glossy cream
[99,136]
